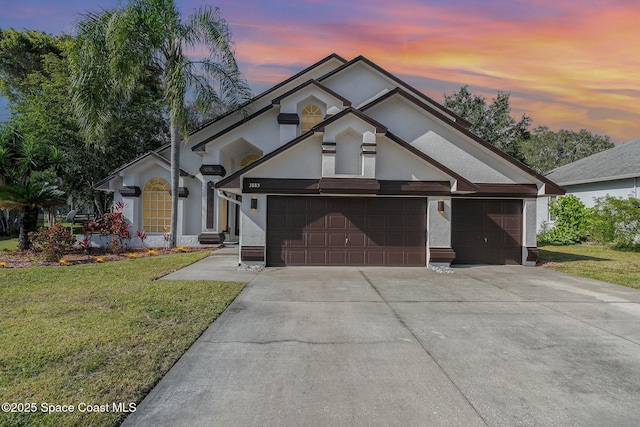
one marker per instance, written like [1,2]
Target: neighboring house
[614,172]
[341,164]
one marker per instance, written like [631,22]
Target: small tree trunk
[175,180]
[29,223]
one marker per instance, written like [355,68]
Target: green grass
[596,262]
[97,333]
[8,244]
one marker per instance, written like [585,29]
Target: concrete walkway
[497,346]
[221,265]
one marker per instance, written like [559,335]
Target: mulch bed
[27,259]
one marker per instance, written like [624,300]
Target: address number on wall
[254,185]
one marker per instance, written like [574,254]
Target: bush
[615,221]
[570,226]
[54,242]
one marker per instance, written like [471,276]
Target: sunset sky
[568,64]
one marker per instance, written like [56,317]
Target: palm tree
[116,49]
[23,161]
[29,197]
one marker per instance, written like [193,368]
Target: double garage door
[346,231]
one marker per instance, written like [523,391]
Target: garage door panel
[356,258]
[346,231]
[336,258]
[317,239]
[316,257]
[336,239]
[356,240]
[296,256]
[375,222]
[337,221]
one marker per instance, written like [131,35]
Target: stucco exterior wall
[439,225]
[358,83]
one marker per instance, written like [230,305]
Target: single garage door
[346,231]
[486,231]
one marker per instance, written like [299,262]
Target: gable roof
[362,59]
[272,89]
[553,187]
[151,154]
[462,183]
[618,162]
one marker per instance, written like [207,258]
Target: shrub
[570,226]
[113,224]
[54,242]
[615,221]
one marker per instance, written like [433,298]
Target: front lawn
[595,262]
[97,334]
[8,244]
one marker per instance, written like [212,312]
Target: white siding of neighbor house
[587,193]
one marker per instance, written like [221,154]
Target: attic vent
[348,161]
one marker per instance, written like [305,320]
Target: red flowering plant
[113,224]
[142,236]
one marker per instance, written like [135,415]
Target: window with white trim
[311,116]
[156,206]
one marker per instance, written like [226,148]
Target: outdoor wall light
[254,204]
[441,207]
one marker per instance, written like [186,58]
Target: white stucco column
[529,238]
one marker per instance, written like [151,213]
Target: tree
[29,197]
[34,73]
[546,149]
[23,163]
[116,49]
[492,122]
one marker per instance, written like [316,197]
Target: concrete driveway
[497,346]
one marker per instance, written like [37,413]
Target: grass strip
[97,334]
[595,262]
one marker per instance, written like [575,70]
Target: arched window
[156,206]
[311,116]
[248,159]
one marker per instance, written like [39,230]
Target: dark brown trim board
[211,238]
[252,253]
[506,191]
[533,254]
[349,186]
[130,191]
[288,119]
[418,188]
[215,170]
[282,186]
[441,255]
[211,197]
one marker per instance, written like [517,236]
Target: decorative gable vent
[348,150]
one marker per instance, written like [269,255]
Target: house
[341,164]
[614,172]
